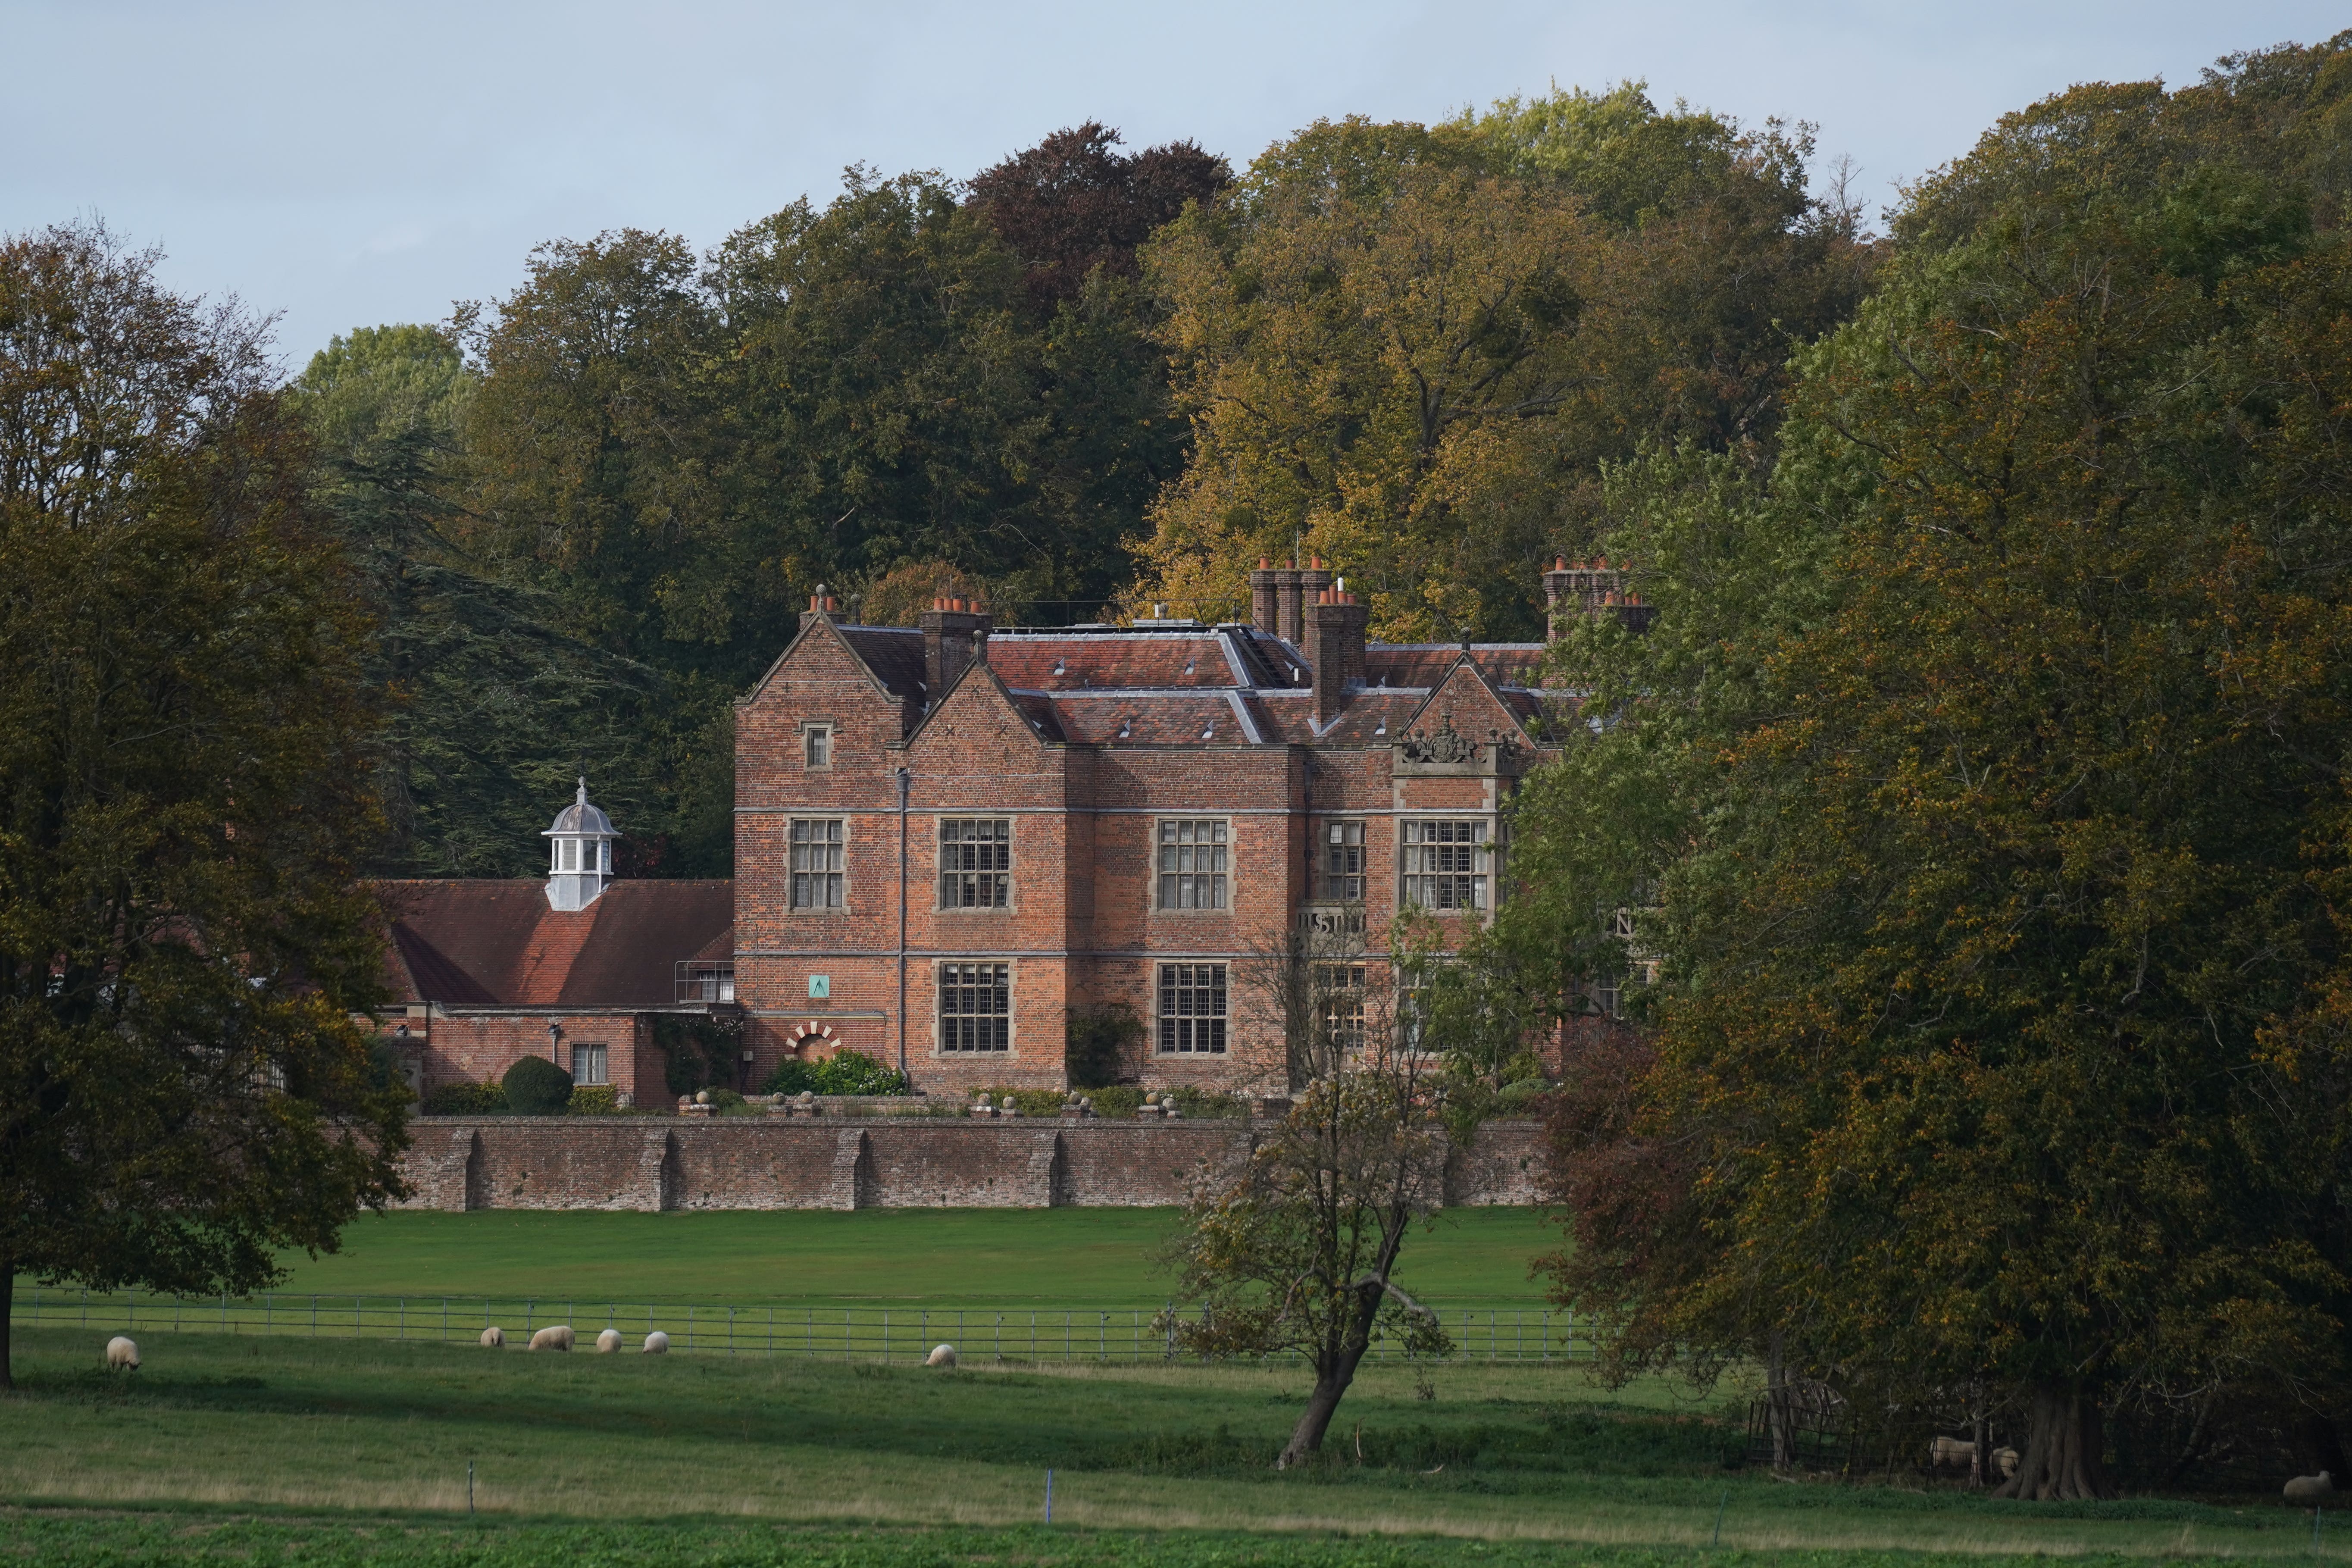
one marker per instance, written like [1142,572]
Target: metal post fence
[1532,1336]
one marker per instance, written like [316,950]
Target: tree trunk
[1780,1420]
[1307,1437]
[7,1306]
[2062,1449]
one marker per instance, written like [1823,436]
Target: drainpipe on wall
[905,779]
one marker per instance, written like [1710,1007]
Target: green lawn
[258,1450]
[1040,1257]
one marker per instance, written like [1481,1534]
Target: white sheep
[2312,1489]
[658,1344]
[494,1339]
[557,1337]
[609,1341]
[941,1355]
[121,1355]
[1958,1454]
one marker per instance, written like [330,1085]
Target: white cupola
[579,854]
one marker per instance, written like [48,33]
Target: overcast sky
[348,165]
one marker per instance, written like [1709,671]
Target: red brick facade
[485,973]
[1089,749]
[1128,811]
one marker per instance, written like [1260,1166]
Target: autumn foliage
[1983,789]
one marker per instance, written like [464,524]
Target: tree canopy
[1409,349]
[1981,786]
[186,719]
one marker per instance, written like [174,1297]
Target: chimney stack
[1265,598]
[1288,625]
[955,637]
[1335,647]
[1589,588]
[1312,580]
[821,608]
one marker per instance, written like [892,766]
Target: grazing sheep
[941,1355]
[558,1338]
[1957,1453]
[658,1344]
[121,1355]
[609,1341]
[2313,1490]
[494,1339]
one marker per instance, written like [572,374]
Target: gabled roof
[496,944]
[1434,710]
[1192,685]
[1425,665]
[1371,717]
[894,655]
[1077,661]
[1158,718]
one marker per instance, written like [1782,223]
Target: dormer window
[817,745]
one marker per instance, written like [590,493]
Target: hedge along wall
[775,1162]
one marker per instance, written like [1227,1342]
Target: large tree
[184,725]
[1407,349]
[495,708]
[1075,203]
[662,455]
[1982,783]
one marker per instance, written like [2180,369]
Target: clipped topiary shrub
[537,1087]
[594,1099]
[467,1100]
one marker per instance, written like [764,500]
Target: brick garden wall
[775,1163]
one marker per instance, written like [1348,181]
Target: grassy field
[1057,1257]
[118,1539]
[275,1449]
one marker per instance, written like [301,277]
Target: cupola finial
[579,854]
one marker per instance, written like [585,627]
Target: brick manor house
[949,836]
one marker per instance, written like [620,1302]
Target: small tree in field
[1298,1250]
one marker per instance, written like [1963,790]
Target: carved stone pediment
[1444,750]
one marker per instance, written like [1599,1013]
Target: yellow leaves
[1368,380]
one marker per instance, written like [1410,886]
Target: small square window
[588,1065]
[1193,864]
[817,746]
[817,863]
[1193,1009]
